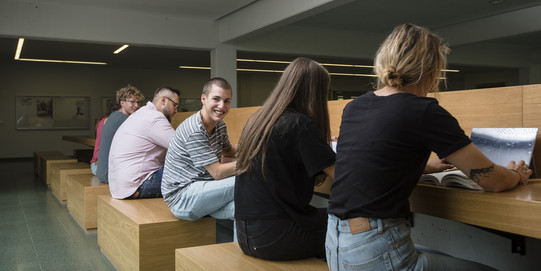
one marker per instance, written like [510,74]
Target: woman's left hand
[437,165]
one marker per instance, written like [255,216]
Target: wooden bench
[59,175]
[37,159]
[47,161]
[143,234]
[82,196]
[229,256]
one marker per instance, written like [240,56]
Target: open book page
[455,178]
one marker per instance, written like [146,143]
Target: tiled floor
[38,233]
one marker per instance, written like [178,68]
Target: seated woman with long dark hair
[283,152]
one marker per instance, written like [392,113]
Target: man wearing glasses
[197,181]
[128,98]
[139,147]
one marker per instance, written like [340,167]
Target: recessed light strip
[323,64]
[19,48]
[263,61]
[121,49]
[353,74]
[278,71]
[258,70]
[62,61]
[194,67]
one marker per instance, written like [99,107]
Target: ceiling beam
[264,15]
[508,24]
[104,25]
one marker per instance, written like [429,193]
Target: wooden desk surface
[516,211]
[86,140]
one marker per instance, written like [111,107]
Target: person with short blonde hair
[385,140]
[128,99]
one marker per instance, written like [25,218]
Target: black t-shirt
[296,153]
[383,147]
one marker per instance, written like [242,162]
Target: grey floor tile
[13,253]
[21,266]
[65,266]
[46,228]
[11,214]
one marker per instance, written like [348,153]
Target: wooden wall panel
[235,121]
[495,107]
[532,118]
[179,117]
[335,115]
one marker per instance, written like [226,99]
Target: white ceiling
[467,23]
[211,9]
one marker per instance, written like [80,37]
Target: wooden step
[82,199]
[142,234]
[229,256]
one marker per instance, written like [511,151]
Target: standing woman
[283,153]
[386,137]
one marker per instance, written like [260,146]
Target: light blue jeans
[201,198]
[94,168]
[387,246]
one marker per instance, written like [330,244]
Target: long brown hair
[302,87]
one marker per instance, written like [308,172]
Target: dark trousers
[281,239]
[150,188]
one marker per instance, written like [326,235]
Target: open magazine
[454,178]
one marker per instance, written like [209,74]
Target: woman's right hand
[521,168]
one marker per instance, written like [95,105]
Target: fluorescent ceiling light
[121,49]
[323,64]
[194,67]
[346,65]
[62,61]
[277,71]
[353,74]
[19,48]
[263,61]
[258,70]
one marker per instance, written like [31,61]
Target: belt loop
[380,225]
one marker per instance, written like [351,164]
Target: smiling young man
[196,180]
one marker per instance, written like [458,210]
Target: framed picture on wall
[52,112]
[189,104]
[105,104]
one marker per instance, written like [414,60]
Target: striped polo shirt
[191,149]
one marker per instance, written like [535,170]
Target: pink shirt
[138,150]
[98,140]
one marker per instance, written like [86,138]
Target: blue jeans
[386,246]
[94,167]
[151,187]
[201,198]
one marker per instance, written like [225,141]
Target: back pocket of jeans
[381,262]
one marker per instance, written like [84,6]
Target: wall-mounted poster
[106,104]
[51,112]
[189,104]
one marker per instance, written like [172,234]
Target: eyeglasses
[132,101]
[176,104]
